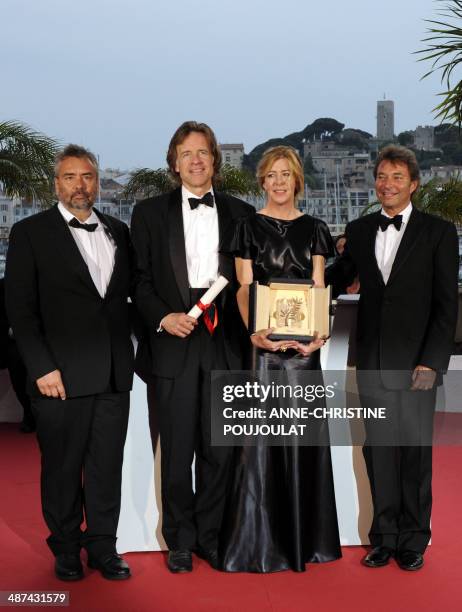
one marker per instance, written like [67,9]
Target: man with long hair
[177,240]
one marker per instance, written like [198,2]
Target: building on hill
[385,120]
[424,138]
[441,173]
[233,154]
[336,163]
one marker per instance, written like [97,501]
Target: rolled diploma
[209,296]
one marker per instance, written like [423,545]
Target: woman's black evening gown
[280,510]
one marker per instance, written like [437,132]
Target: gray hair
[73,150]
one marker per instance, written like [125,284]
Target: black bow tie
[89,227]
[385,222]
[207,199]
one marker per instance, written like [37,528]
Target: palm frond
[147,183]
[26,162]
[444,51]
[441,199]
[237,182]
[450,109]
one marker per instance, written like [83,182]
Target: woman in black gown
[280,511]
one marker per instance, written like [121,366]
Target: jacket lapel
[411,233]
[116,237]
[369,246]
[176,245]
[64,241]
[225,223]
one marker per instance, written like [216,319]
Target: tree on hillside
[444,51]
[26,162]
[356,139]
[326,128]
[406,139]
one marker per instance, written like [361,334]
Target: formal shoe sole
[70,578]
[410,569]
[383,564]
[179,571]
[93,565]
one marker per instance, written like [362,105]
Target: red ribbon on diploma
[207,320]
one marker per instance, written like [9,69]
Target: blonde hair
[270,156]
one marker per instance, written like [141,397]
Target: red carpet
[26,563]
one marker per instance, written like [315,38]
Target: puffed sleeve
[239,240]
[322,243]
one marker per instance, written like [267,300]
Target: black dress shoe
[179,561]
[111,566]
[208,554]
[68,566]
[378,556]
[409,560]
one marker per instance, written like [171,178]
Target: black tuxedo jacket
[4,328]
[412,319]
[162,280]
[59,319]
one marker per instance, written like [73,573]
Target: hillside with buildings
[338,163]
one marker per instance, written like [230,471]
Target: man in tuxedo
[68,278]
[407,263]
[177,239]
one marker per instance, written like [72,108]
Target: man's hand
[51,385]
[260,340]
[179,324]
[423,378]
[354,287]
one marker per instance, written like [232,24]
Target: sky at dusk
[119,76]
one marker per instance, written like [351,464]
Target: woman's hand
[315,344]
[260,340]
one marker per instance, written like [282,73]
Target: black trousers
[398,456]
[81,441]
[180,409]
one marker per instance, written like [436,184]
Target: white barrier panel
[141,510]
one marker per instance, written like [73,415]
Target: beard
[83,203]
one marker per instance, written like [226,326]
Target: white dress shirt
[387,243]
[96,248]
[201,237]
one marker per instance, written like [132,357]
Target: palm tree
[147,183]
[444,50]
[237,182]
[441,199]
[26,162]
